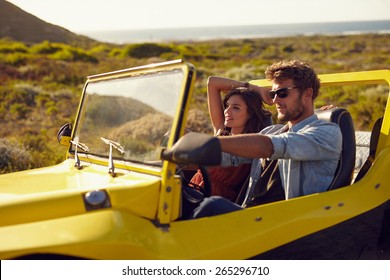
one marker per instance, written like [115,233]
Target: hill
[24,27]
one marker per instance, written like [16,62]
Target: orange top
[225,181]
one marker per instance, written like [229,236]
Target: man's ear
[308,93]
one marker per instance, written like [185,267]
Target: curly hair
[303,75]
[259,117]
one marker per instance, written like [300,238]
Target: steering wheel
[196,193]
[193,196]
[206,180]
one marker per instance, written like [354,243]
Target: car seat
[345,169]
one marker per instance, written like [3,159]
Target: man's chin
[282,118]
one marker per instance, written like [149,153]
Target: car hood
[59,190]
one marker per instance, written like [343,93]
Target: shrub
[24,93]
[73,54]
[45,48]
[42,151]
[14,59]
[145,50]
[12,47]
[13,157]
[100,49]
[18,110]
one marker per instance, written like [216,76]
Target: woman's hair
[259,117]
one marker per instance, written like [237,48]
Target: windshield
[128,115]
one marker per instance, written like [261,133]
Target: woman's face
[236,114]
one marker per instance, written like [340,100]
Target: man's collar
[303,123]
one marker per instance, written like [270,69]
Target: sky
[103,15]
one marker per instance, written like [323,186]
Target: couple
[291,160]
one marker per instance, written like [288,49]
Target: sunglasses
[281,93]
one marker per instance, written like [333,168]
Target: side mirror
[64,134]
[194,148]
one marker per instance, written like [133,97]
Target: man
[292,160]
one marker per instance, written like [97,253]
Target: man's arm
[247,145]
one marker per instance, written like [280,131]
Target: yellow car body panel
[119,234]
[60,193]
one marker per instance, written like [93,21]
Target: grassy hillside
[22,26]
[40,84]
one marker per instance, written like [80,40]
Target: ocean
[239,32]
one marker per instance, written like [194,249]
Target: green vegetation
[40,84]
[13,157]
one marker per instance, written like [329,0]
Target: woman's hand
[263,91]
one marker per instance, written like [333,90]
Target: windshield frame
[177,125]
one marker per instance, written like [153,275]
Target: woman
[241,111]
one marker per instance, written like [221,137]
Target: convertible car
[121,191]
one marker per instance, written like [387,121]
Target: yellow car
[121,191]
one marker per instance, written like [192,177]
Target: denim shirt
[308,156]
